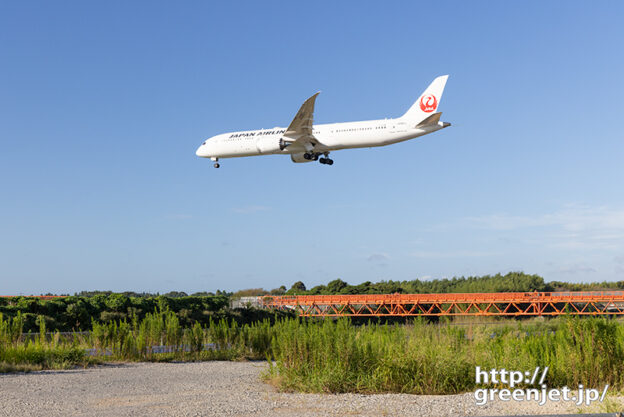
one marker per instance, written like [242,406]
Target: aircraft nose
[202,151]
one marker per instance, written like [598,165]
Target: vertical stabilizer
[428,102]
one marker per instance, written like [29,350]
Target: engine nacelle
[300,157]
[268,145]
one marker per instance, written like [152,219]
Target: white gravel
[215,389]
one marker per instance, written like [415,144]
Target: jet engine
[268,145]
[301,157]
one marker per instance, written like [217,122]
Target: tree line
[510,282]
[79,311]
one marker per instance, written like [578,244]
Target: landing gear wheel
[326,160]
[216,165]
[307,156]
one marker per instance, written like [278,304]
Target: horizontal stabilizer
[430,120]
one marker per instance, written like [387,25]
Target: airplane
[306,142]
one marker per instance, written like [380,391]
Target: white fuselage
[330,137]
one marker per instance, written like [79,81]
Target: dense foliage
[78,313]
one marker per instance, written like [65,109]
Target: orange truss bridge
[468,304]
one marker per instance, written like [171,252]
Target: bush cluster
[77,313]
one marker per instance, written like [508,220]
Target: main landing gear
[315,157]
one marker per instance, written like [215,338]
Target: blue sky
[102,106]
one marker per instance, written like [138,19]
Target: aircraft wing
[300,129]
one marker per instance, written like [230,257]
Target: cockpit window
[204,143]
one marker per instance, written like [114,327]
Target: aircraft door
[247,146]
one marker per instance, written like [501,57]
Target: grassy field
[336,356]
[157,337]
[437,359]
[36,353]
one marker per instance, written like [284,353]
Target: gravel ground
[215,389]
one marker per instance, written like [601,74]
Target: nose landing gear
[216,162]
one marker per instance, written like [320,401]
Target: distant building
[245,302]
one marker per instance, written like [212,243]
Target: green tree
[279,291]
[77,315]
[335,286]
[117,302]
[298,287]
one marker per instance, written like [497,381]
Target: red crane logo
[428,103]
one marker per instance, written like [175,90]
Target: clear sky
[103,104]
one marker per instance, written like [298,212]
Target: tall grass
[17,354]
[428,359]
[159,336]
[146,339]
